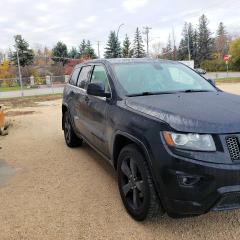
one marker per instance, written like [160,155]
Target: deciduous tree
[235,52]
[221,41]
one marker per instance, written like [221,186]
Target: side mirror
[97,89]
[200,71]
[212,81]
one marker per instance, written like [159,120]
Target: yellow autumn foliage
[5,70]
[5,73]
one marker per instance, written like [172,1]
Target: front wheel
[136,186]
[70,137]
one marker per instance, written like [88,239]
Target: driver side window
[100,75]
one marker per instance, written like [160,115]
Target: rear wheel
[71,138]
[136,186]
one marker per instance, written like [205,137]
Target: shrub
[213,65]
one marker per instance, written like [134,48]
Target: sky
[44,22]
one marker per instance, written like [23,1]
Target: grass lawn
[228,80]
[9,89]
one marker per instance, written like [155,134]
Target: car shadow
[103,163]
[202,226]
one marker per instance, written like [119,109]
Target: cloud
[91,19]
[109,10]
[132,5]
[3,19]
[82,25]
[10,30]
[42,7]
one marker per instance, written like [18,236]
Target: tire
[136,186]
[71,138]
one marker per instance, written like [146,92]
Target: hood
[199,112]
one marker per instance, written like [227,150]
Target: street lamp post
[19,72]
[119,29]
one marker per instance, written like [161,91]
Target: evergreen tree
[138,47]
[89,51]
[187,38]
[221,41]
[195,45]
[26,55]
[182,50]
[73,53]
[113,48]
[60,53]
[205,42]
[82,48]
[127,51]
[191,40]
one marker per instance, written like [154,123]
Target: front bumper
[192,187]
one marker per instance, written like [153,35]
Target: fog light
[188,181]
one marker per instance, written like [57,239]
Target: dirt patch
[230,87]
[28,101]
[18,113]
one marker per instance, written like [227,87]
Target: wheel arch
[122,139]
[64,109]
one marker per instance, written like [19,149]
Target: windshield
[157,77]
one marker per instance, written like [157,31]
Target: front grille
[233,147]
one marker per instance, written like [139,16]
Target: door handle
[87,99]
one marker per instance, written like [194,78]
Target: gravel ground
[59,193]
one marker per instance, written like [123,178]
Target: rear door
[71,93]
[97,111]
[81,118]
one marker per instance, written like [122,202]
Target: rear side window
[83,77]
[74,77]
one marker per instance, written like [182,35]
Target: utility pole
[174,44]
[189,55]
[147,34]
[98,46]
[19,72]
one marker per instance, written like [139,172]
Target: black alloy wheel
[70,137]
[136,185]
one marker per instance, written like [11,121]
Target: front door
[98,110]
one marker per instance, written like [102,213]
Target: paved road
[216,75]
[31,92]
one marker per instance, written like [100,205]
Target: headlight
[190,141]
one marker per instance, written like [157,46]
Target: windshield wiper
[149,93]
[195,90]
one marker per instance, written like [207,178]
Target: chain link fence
[11,87]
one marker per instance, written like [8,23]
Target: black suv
[171,135]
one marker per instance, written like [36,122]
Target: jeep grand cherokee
[170,134]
